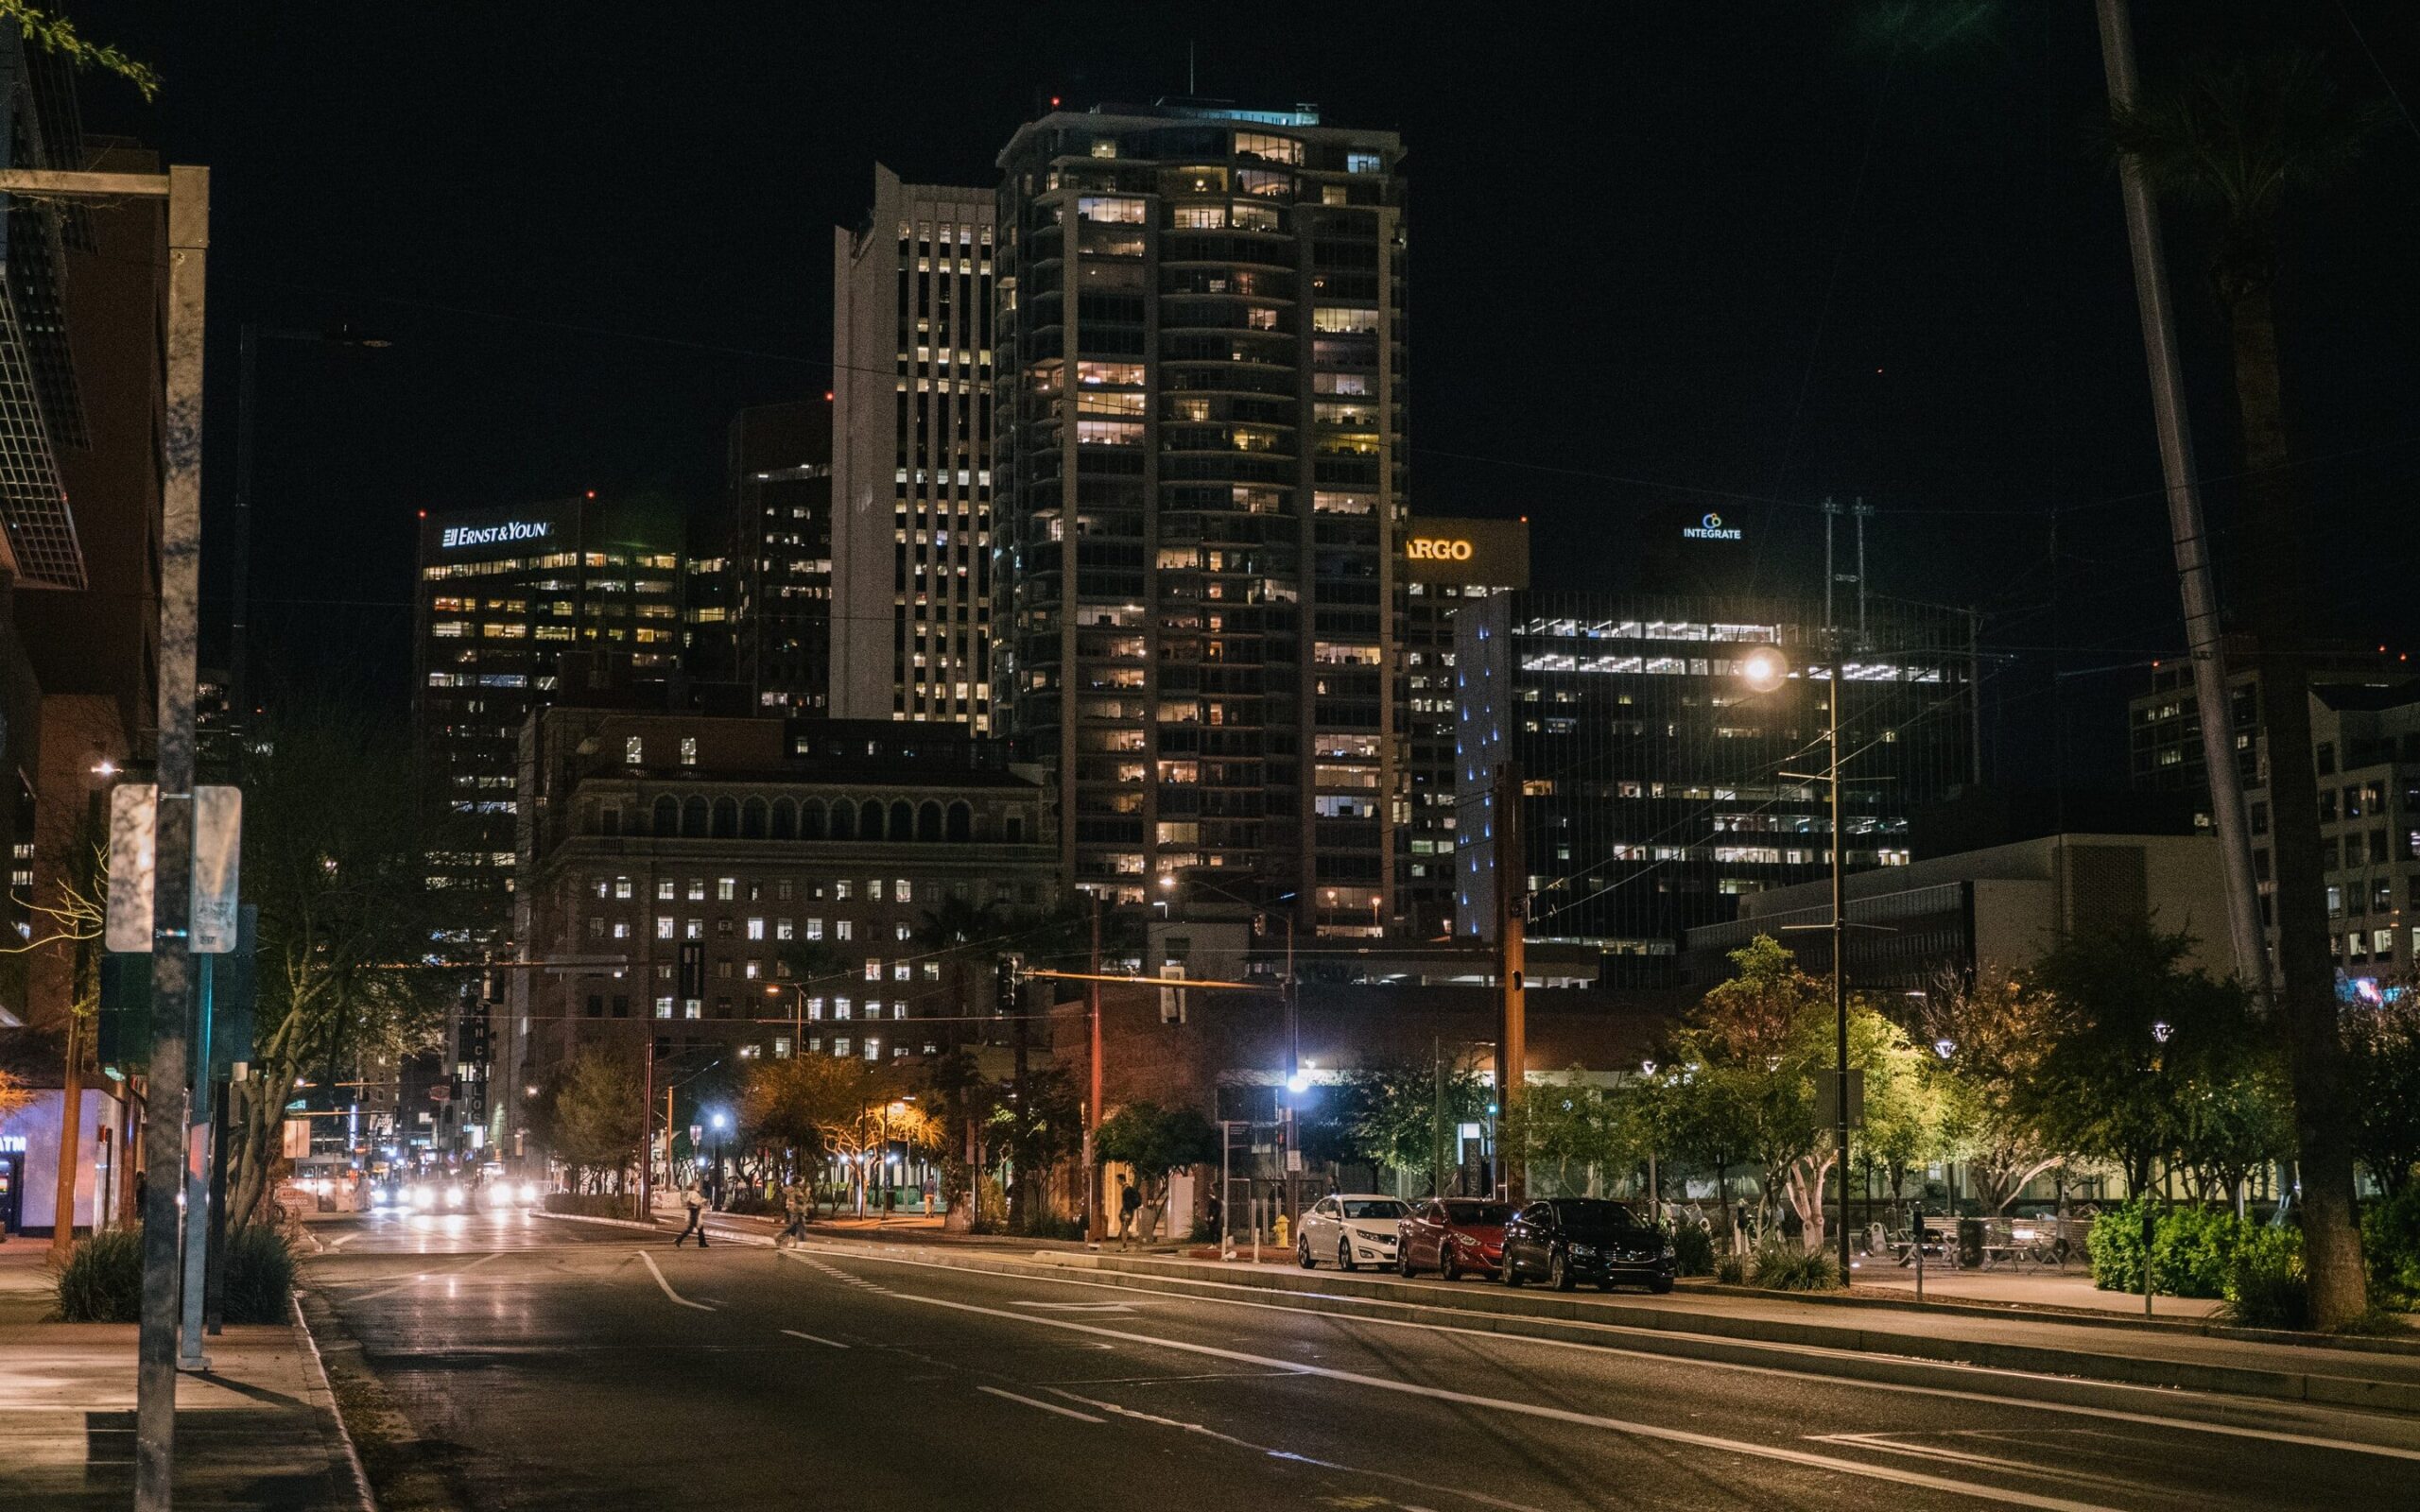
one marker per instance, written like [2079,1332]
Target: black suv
[1565,1241]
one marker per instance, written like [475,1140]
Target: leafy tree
[2126,1038]
[2385,1087]
[1157,1142]
[1035,1128]
[1574,1130]
[1986,1031]
[336,838]
[1754,1048]
[57,34]
[2235,138]
[14,1096]
[837,1108]
[596,1113]
[1388,1117]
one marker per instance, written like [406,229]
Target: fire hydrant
[1277,1231]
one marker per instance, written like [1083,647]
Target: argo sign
[1486,553]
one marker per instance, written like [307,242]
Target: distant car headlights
[1584,1252]
[379,1197]
[420,1197]
[529,1193]
[452,1196]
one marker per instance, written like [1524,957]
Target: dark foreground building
[1656,788]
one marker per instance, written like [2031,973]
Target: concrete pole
[197,1168]
[1840,956]
[2202,631]
[1512,970]
[155,1394]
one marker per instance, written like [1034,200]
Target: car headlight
[377,1197]
[528,1192]
[452,1196]
[420,1196]
[1583,1251]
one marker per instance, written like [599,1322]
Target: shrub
[2391,1243]
[1693,1249]
[1040,1225]
[103,1280]
[2193,1249]
[260,1274]
[2265,1286]
[1789,1268]
[768,1205]
[590,1204]
[1731,1270]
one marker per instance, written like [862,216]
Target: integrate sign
[1491,552]
[457,537]
[1711,528]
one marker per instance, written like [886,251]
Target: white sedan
[1351,1227]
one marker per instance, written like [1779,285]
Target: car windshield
[1377,1207]
[1592,1216]
[1479,1215]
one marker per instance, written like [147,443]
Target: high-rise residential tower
[1201,463]
[911,463]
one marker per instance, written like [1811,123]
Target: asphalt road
[556,1364]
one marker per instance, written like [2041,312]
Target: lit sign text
[1712,528]
[457,536]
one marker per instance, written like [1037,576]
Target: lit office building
[1446,563]
[1201,463]
[1656,787]
[911,467]
[514,608]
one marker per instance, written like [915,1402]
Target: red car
[1453,1236]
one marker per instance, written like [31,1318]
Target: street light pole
[1839,950]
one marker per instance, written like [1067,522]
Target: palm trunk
[2306,1010]
[71,1130]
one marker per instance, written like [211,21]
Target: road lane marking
[1490,1336]
[427,1275]
[1626,1427]
[815,1338]
[702,1307]
[1885,1443]
[1078,1307]
[1045,1406]
[1207,1431]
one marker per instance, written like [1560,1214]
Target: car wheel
[1344,1255]
[1303,1255]
[1559,1273]
[1511,1276]
[1404,1267]
[1447,1265]
[1660,1285]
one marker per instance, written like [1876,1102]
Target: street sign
[218,833]
[1828,1107]
[229,984]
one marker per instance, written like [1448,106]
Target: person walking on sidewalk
[1130,1202]
[695,1201]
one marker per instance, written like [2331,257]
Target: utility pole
[1512,966]
[1096,1227]
[647,1130]
[2202,631]
[1840,939]
[186,189]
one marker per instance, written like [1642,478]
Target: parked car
[1453,1236]
[1353,1228]
[1564,1241]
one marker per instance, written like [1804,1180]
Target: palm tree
[2233,138]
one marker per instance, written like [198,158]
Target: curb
[412,1484]
[2055,1373]
[331,1420]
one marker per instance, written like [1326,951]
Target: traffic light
[1004,994]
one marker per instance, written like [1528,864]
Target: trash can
[1970,1243]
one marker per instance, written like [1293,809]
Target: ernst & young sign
[457,537]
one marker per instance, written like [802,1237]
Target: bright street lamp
[1764,668]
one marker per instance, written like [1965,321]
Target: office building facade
[1201,455]
[511,604]
[911,465]
[761,885]
[2164,722]
[1656,788]
[2366,747]
[781,556]
[1446,563]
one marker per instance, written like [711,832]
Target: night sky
[1734,257]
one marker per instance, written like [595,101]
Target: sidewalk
[2070,1290]
[259,1432]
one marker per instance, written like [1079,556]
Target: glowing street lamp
[1764,668]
